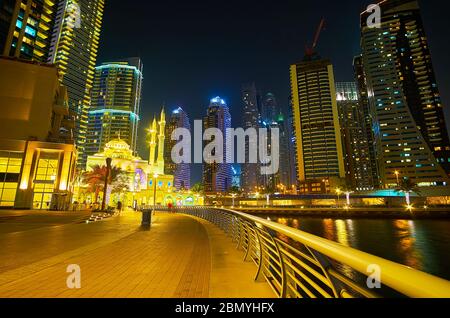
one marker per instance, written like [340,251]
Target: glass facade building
[181,171]
[361,83]
[26,28]
[410,133]
[355,145]
[251,119]
[74,48]
[217,176]
[116,103]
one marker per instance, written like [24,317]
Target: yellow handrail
[404,279]
[288,274]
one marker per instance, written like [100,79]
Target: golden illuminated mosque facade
[143,175]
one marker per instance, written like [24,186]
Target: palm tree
[347,189]
[235,190]
[198,188]
[95,180]
[407,187]
[268,191]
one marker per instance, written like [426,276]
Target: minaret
[153,132]
[161,140]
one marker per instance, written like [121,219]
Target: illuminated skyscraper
[217,177]
[116,103]
[251,119]
[181,171]
[354,140]
[316,121]
[292,147]
[284,180]
[74,48]
[270,108]
[410,132]
[361,83]
[26,28]
[236,175]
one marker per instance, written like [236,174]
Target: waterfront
[420,244]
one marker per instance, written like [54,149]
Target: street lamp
[338,192]
[155,176]
[146,215]
[347,195]
[397,174]
[233,196]
[324,181]
[105,188]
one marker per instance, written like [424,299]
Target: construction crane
[310,51]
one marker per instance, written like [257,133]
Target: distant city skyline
[187,65]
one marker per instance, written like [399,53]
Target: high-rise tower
[74,48]
[410,132]
[181,171]
[270,108]
[361,84]
[217,177]
[354,140]
[115,108]
[251,119]
[316,120]
[26,28]
[284,180]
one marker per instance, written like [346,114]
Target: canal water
[421,244]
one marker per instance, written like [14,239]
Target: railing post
[252,244]
[284,282]
[241,231]
[260,277]
[325,265]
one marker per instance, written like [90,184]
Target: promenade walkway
[180,256]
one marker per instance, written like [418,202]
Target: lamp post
[155,176]
[147,215]
[338,192]
[233,196]
[105,188]
[397,174]
[347,195]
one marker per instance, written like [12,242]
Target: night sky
[195,50]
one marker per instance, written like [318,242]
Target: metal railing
[301,265]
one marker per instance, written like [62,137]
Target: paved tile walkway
[179,257]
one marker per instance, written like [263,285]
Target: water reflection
[420,244]
[328,227]
[406,246]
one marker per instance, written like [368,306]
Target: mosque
[146,179]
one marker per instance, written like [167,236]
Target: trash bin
[146,218]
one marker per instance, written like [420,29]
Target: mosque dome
[117,144]
[118,148]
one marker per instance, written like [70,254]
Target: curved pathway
[180,257]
